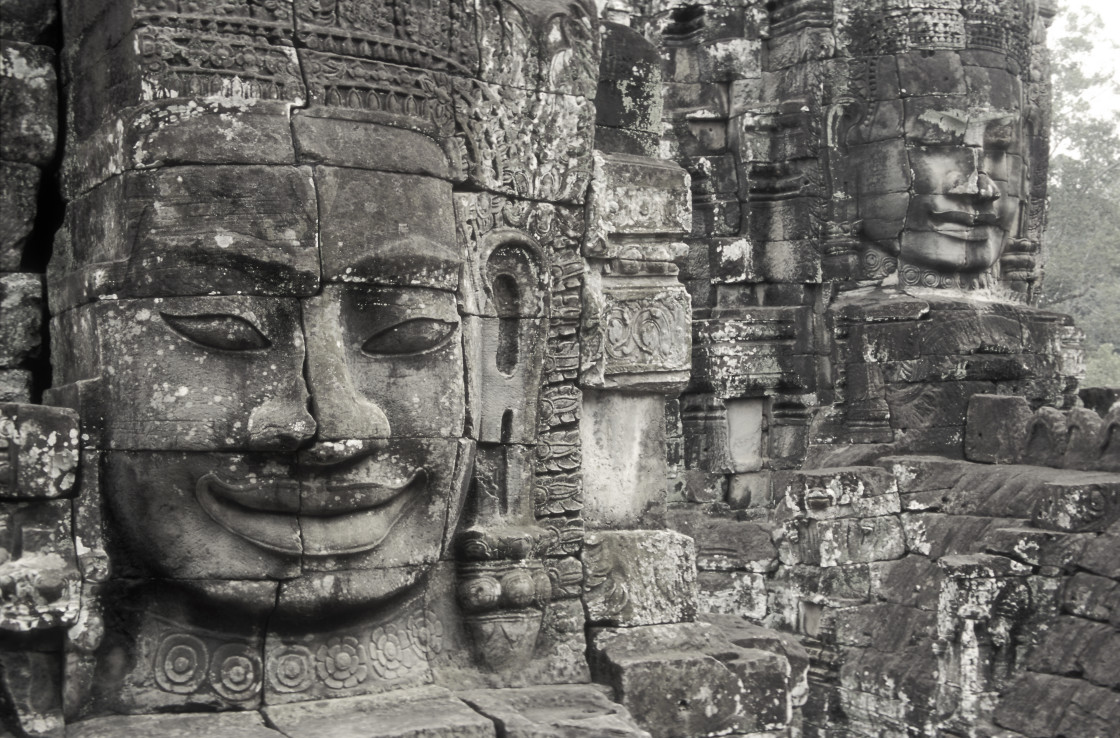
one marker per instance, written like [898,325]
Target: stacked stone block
[38,446]
[29,142]
[756,557]
[904,371]
[930,594]
[1003,430]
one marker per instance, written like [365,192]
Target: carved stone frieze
[635,333]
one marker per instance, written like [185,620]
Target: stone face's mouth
[964,225]
[310,517]
[966,217]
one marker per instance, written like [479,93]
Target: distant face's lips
[964,225]
[966,217]
[313,518]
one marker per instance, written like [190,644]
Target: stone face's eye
[1000,136]
[217,331]
[409,337]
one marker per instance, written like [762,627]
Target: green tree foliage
[1102,364]
[1082,267]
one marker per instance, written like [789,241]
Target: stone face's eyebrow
[206,270]
[404,260]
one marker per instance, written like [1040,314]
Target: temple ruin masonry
[526,368]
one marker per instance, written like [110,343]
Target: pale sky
[1106,57]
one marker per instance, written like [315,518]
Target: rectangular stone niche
[745,434]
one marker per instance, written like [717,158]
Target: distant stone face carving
[965,172]
[934,152]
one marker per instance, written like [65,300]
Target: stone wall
[930,592]
[29,203]
[704,331]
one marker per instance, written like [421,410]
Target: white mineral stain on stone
[12,64]
[224,240]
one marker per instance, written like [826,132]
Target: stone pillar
[636,338]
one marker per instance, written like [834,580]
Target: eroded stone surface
[564,711]
[429,711]
[639,577]
[28,90]
[656,670]
[235,725]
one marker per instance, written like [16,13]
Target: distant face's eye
[1000,137]
[409,337]
[216,331]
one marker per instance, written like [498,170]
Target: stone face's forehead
[191,230]
[973,126]
[387,228]
[239,230]
[255,230]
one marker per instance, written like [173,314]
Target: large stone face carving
[265,429]
[932,148]
[308,371]
[368,322]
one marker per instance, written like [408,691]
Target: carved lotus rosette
[876,263]
[292,669]
[181,663]
[236,672]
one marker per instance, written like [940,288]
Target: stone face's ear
[511,338]
[844,119]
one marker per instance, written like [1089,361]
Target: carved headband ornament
[437,35]
[391,61]
[895,26]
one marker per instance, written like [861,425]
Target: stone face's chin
[312,518]
[951,247]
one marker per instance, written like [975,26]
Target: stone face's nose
[986,189]
[281,424]
[340,411]
[972,181]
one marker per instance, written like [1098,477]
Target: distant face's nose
[340,411]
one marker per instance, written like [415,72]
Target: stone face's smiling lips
[965,225]
[311,516]
[969,218]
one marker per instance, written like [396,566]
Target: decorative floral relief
[644,332]
[647,333]
[340,663]
[235,672]
[391,651]
[292,669]
[183,663]
[425,633]
[230,65]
